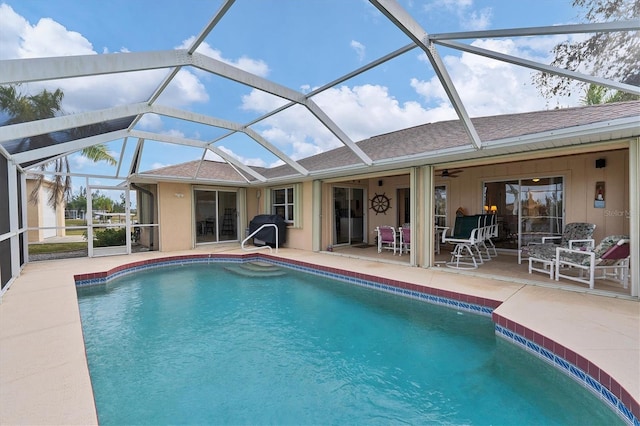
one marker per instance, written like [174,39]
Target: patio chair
[386,238]
[485,246]
[465,233]
[610,258]
[576,235]
[405,239]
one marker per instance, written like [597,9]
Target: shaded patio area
[504,267]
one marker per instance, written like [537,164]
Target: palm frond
[98,153]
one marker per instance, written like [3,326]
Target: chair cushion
[577,231]
[604,248]
[542,251]
[609,252]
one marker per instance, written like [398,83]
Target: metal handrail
[254,233]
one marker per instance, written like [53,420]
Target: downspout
[151,204]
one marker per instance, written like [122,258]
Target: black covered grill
[267,236]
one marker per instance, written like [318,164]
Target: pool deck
[44,377]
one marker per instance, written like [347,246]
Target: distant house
[40,215]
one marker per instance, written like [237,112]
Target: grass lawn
[75,222]
[56,247]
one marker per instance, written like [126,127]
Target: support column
[634,214]
[427,215]
[316,222]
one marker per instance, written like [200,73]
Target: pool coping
[576,366]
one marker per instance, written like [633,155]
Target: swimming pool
[203,344]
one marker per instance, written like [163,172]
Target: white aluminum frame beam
[59,67]
[540,67]
[71,146]
[64,122]
[37,69]
[37,127]
[600,27]
[405,22]
[235,127]
[240,76]
[196,43]
[194,143]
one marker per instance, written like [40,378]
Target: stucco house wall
[36,214]
[175,216]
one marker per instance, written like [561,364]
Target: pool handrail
[260,247]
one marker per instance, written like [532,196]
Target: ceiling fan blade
[450,173]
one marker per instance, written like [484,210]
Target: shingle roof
[429,138]
[210,170]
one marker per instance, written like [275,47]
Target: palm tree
[596,95]
[22,108]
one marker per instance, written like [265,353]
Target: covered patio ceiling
[124,125]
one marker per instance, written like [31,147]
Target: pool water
[201,344]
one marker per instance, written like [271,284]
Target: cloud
[490,87]
[468,17]
[20,39]
[359,48]
[254,66]
[360,111]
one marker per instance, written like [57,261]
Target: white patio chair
[386,238]
[609,260]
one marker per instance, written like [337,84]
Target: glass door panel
[541,204]
[440,201]
[228,216]
[505,197]
[348,227]
[341,216]
[205,216]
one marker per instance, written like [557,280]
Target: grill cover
[267,236]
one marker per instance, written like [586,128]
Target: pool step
[256,270]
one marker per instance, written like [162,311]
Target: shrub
[110,237]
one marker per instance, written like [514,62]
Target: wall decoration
[380,203]
[599,201]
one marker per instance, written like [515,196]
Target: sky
[302,45]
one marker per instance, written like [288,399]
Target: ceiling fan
[446,173]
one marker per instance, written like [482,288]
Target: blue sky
[298,44]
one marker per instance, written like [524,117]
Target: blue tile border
[561,364]
[425,297]
[573,371]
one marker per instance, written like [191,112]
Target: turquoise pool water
[201,344]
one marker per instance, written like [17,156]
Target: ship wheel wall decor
[380,203]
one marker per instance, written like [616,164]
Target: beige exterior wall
[175,216]
[390,187]
[301,238]
[298,237]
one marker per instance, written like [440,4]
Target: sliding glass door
[526,209]
[216,216]
[348,226]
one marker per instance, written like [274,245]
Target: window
[283,204]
